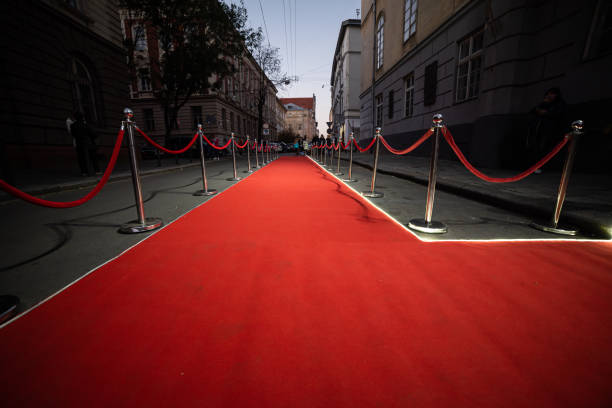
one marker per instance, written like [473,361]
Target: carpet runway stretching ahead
[289,290]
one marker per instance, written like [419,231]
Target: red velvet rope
[336,146]
[409,149]
[68,204]
[241,147]
[345,146]
[479,174]
[214,146]
[367,148]
[160,147]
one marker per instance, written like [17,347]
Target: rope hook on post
[372,193]
[235,178]
[553,227]
[350,178]
[427,225]
[142,224]
[205,191]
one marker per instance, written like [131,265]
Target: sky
[315,27]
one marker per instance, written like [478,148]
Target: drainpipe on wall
[373,63]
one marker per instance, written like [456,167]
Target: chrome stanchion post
[235,178]
[268,152]
[372,193]
[350,178]
[250,170]
[426,224]
[325,154]
[263,152]
[338,172]
[142,224]
[553,227]
[205,191]
[256,155]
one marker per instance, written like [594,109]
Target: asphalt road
[45,249]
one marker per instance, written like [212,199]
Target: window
[409,94]
[391,96]
[468,68]
[239,127]
[83,91]
[410,15]
[139,38]
[431,83]
[223,119]
[149,122]
[144,80]
[380,41]
[196,116]
[379,110]
[231,121]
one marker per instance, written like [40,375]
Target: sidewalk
[588,204]
[37,182]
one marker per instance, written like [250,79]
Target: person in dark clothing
[547,125]
[85,141]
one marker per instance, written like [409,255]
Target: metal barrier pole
[350,178]
[142,224]
[256,155]
[553,227]
[269,147]
[372,193]
[427,225]
[263,152]
[325,154]
[235,178]
[338,172]
[248,146]
[206,191]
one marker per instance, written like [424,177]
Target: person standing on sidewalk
[85,143]
[548,121]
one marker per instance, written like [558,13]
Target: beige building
[484,65]
[300,116]
[232,108]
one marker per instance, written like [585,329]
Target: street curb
[89,183]
[587,226]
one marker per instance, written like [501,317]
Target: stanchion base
[8,307]
[248,171]
[554,230]
[234,179]
[134,227]
[205,192]
[432,227]
[338,173]
[349,180]
[372,194]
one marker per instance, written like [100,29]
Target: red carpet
[288,290]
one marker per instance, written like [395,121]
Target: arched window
[83,91]
[380,41]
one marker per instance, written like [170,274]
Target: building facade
[59,57]
[300,117]
[485,64]
[230,108]
[345,77]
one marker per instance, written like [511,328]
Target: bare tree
[271,74]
